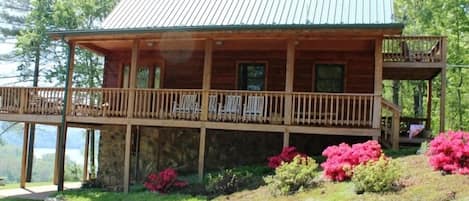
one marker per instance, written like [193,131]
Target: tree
[79,14]
[12,19]
[450,18]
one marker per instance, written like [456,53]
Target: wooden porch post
[443,86]
[286,138]
[289,77]
[66,110]
[85,155]
[205,99]
[378,88]
[56,160]
[133,75]
[429,104]
[396,118]
[128,137]
[30,155]
[92,152]
[203,135]
[23,157]
[290,72]
[207,78]
[130,109]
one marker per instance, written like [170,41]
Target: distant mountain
[45,136]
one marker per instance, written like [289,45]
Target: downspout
[63,131]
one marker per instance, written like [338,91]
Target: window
[147,77]
[251,76]
[126,77]
[157,79]
[329,78]
[143,77]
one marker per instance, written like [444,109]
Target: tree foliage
[449,18]
[34,44]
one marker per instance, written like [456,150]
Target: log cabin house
[205,84]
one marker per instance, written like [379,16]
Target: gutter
[102,31]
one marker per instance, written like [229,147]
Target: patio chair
[232,108]
[44,105]
[187,106]
[254,108]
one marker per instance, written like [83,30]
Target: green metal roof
[146,16]
[138,14]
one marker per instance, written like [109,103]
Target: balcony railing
[95,102]
[332,109]
[427,49]
[263,107]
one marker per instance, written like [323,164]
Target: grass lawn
[92,195]
[14,199]
[95,195]
[32,184]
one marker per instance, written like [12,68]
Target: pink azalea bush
[342,158]
[163,181]
[449,152]
[287,155]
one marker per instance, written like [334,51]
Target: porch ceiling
[110,46]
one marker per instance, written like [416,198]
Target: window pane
[329,78]
[125,77]
[251,77]
[256,71]
[143,76]
[157,77]
[329,71]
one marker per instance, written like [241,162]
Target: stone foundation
[178,148]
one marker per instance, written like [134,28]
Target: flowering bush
[449,152]
[287,155]
[343,158]
[163,181]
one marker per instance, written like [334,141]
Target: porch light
[150,44]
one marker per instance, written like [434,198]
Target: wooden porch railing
[11,98]
[390,124]
[413,49]
[246,106]
[44,100]
[265,107]
[168,103]
[31,100]
[332,109]
[96,102]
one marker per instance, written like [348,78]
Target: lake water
[76,155]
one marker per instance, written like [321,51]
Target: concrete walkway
[36,192]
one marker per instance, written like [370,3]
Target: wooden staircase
[390,124]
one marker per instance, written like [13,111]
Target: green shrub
[225,182]
[376,176]
[294,176]
[239,178]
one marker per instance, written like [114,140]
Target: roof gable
[137,14]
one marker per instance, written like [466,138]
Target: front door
[148,76]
